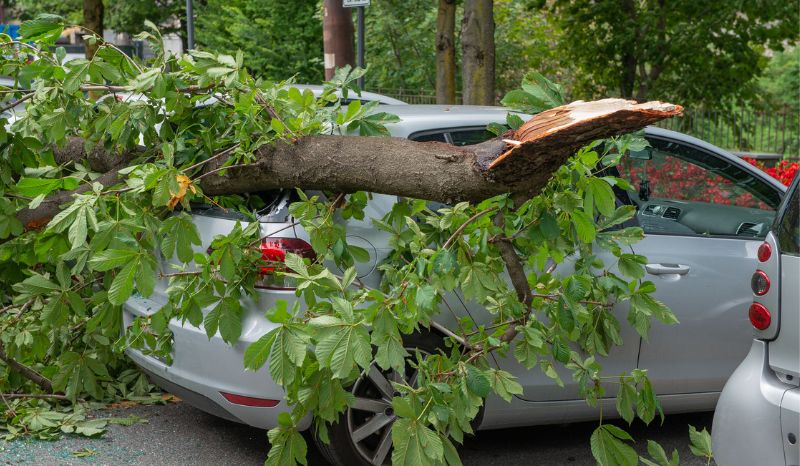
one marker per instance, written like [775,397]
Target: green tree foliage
[688,51]
[62,284]
[400,41]
[279,39]
[781,81]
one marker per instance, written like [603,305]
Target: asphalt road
[177,434]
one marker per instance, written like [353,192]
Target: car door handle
[667,269]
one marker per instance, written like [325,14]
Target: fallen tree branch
[43,382]
[424,170]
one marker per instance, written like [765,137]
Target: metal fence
[743,130]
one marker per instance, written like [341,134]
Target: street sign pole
[189,24]
[359,5]
[360,46]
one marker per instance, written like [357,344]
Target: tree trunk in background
[477,53]
[337,37]
[446,52]
[93,20]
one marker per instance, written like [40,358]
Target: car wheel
[363,434]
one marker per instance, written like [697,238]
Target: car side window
[438,137]
[469,137]
[681,190]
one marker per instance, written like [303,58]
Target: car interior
[680,190]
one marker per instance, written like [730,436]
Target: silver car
[757,420]
[704,211]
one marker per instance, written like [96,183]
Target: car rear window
[788,228]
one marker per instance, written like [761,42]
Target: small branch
[26,371]
[219,154]
[17,102]
[217,170]
[40,396]
[464,225]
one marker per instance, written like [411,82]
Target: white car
[704,211]
[757,420]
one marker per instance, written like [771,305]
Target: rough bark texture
[337,37]
[446,52]
[520,164]
[477,53]
[93,20]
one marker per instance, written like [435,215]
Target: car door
[704,216]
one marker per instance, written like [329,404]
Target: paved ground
[178,434]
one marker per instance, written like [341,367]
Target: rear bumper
[747,421]
[203,367]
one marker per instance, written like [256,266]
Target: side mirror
[644,154]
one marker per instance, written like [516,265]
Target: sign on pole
[354,3]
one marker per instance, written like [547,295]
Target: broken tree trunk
[519,163]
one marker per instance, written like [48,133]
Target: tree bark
[337,37]
[93,11]
[446,52]
[519,163]
[477,53]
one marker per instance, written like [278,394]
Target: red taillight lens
[764,252]
[760,316]
[250,401]
[273,255]
[760,283]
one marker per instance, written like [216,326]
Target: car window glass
[438,137]
[788,230]
[681,190]
[469,137]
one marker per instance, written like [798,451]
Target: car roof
[419,118]
[365,96]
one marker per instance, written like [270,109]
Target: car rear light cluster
[760,283]
[273,257]
[760,316]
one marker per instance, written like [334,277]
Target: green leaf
[112,258]
[584,226]
[700,442]
[549,226]
[415,444]
[45,28]
[32,187]
[288,447]
[626,400]
[122,286]
[659,456]
[341,346]
[632,265]
[609,448]
[477,381]
[287,354]
[257,353]
[504,384]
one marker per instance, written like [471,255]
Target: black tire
[342,450]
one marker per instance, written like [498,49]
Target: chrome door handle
[667,269]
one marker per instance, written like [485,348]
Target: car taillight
[273,256]
[764,252]
[760,283]
[760,316]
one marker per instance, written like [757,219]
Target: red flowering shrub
[784,171]
[673,178]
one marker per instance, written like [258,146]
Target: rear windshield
[788,228]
